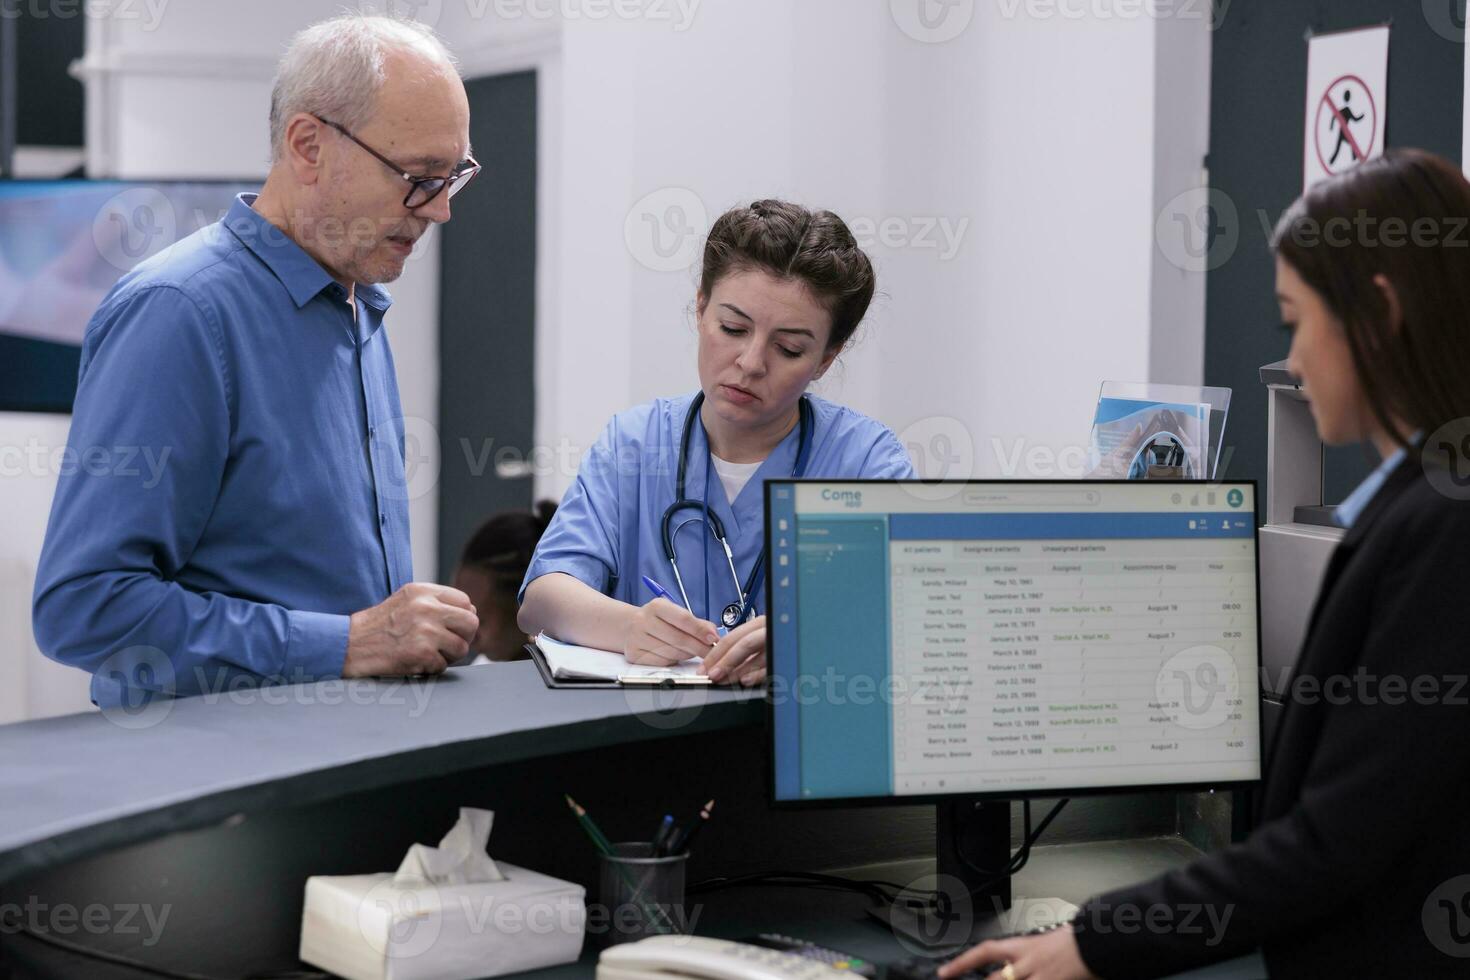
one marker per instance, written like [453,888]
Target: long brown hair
[1405,216]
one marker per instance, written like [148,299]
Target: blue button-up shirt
[233,485]
[1347,512]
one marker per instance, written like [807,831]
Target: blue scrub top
[609,523]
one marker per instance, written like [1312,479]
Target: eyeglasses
[421,190]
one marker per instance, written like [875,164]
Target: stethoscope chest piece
[730,616]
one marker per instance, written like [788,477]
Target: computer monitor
[935,641]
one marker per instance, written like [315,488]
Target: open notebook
[571,663]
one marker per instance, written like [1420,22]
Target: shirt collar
[1348,512]
[301,274]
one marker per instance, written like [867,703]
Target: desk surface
[81,784]
[839,920]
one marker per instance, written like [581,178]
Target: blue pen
[660,839]
[658,590]
[662,593]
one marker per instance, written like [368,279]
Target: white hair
[334,69]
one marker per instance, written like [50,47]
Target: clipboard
[604,684]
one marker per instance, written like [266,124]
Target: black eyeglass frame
[457,181]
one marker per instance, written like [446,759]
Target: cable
[77,949]
[1017,860]
[878,889]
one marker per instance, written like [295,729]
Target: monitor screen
[1011,638]
[63,244]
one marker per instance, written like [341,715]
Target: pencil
[600,841]
[682,844]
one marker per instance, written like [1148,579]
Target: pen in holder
[642,894]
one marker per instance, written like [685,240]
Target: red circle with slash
[1325,103]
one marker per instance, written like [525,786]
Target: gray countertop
[81,784]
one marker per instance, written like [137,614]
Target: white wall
[1044,143]
[33,687]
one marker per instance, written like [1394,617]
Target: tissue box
[366,927]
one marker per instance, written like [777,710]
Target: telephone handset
[702,958]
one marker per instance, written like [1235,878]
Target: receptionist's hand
[740,656]
[664,633]
[1049,956]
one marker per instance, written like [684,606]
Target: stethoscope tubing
[712,520]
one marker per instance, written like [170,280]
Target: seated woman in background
[1359,864]
[490,571]
[673,489]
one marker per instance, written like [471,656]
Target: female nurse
[671,483]
[1360,862]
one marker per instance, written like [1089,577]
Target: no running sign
[1347,100]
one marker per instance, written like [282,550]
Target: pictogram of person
[1340,119]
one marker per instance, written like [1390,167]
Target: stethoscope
[732,615]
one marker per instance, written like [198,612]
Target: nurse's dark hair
[502,548]
[791,242]
[1404,216]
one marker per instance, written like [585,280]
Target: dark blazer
[1364,809]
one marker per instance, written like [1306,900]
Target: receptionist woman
[669,484]
[1359,864]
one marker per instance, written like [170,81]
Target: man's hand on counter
[420,629]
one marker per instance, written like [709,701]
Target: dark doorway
[487,318]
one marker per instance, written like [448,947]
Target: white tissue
[460,858]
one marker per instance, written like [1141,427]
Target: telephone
[701,958]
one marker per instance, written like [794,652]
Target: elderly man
[275,546]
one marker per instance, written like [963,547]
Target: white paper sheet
[569,662]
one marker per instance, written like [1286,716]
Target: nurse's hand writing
[420,629]
[740,656]
[663,633]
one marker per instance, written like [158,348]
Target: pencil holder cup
[640,894]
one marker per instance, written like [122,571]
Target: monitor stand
[973,906]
